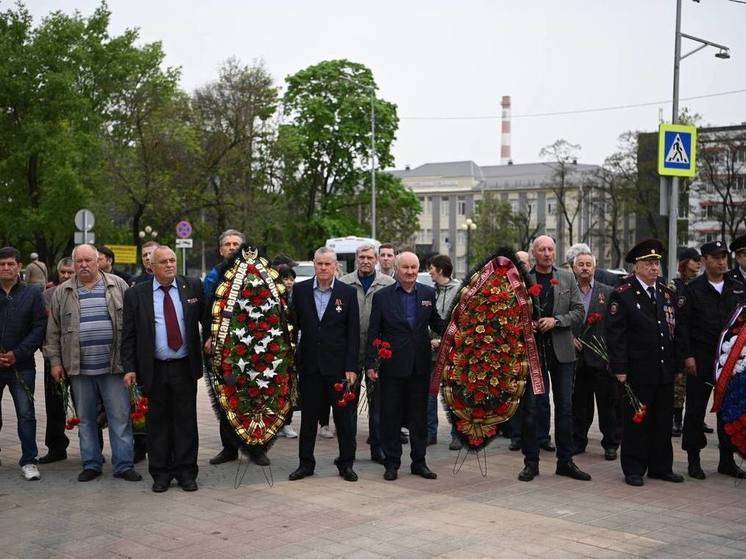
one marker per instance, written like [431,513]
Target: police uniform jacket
[736,274]
[640,335]
[702,315]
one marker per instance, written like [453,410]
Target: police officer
[640,328]
[689,266]
[704,309]
[739,269]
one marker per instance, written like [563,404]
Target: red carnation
[241,349]
[273,319]
[339,386]
[478,413]
[242,317]
[264,325]
[229,391]
[240,381]
[261,367]
[535,290]
[253,392]
[554,281]
[594,317]
[246,293]
[349,397]
[342,403]
[234,402]
[274,347]
[269,391]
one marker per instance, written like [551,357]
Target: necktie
[172,322]
[651,290]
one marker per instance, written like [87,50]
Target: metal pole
[183,261]
[673,207]
[372,163]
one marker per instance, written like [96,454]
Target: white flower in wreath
[241,364]
[276,363]
[255,315]
[238,332]
[243,304]
[253,374]
[262,383]
[268,305]
[275,332]
[247,339]
[269,373]
[255,282]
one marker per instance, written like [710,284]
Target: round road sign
[184,229]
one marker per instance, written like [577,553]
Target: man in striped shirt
[83,340]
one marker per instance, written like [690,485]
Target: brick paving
[459,515]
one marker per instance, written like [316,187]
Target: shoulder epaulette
[622,287]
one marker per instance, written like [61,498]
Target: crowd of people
[608,342]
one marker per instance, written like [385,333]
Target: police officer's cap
[738,244]
[650,248]
[689,254]
[713,248]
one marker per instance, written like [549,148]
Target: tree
[722,179]
[496,227]
[525,233]
[564,156]
[328,142]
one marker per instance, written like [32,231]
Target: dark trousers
[172,436]
[226,437]
[316,392]
[525,419]
[647,446]
[404,402]
[693,437]
[590,381]
[374,415]
[54,435]
[542,416]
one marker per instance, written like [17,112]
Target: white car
[303,270]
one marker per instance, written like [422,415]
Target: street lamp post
[469,226]
[148,231]
[673,203]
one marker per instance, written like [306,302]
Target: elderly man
[705,306]
[23,322]
[325,312]
[591,375]
[643,352]
[402,314]
[161,349]
[55,437]
[560,310]
[82,344]
[367,282]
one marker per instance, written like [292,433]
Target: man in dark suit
[401,315]
[643,352]
[326,316]
[738,272]
[161,349]
[705,306]
[591,374]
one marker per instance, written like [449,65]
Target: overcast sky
[456,58]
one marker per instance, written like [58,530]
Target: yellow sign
[124,254]
[677,150]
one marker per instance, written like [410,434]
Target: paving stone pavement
[236,513]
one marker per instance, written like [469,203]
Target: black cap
[713,248]
[689,254]
[739,243]
[649,248]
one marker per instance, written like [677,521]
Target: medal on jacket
[670,318]
[338,304]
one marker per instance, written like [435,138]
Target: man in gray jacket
[367,281]
[560,309]
[83,341]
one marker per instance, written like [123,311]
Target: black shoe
[432,439]
[670,476]
[694,468]
[548,446]
[455,444]
[188,485]
[731,469]
[404,438]
[160,485]
[570,469]
[377,456]
[88,475]
[50,457]
[514,445]
[300,473]
[348,474]
[224,456]
[706,428]
[424,471]
[259,457]
[529,472]
[634,480]
[129,475]
[610,454]
[390,474]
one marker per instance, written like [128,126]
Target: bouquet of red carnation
[594,343]
[139,408]
[71,416]
[641,410]
[383,353]
[346,393]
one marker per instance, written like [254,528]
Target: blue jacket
[23,323]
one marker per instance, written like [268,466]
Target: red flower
[535,290]
[241,349]
[274,347]
[349,397]
[229,390]
[384,353]
[554,281]
[246,293]
[273,319]
[264,325]
[376,342]
[342,403]
[265,293]
[242,317]
[339,387]
[241,380]
[479,413]
[253,392]
[234,402]
[594,317]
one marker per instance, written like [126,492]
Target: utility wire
[577,111]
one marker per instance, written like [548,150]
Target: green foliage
[496,227]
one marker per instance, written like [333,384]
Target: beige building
[449,192]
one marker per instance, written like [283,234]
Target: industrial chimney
[505,137]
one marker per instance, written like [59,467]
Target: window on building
[444,240]
[551,207]
[461,266]
[461,206]
[427,205]
[444,203]
[741,155]
[460,238]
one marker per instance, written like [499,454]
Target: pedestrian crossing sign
[677,150]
